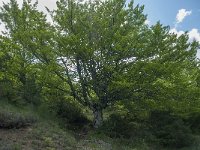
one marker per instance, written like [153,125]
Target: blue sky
[166,11]
[180,15]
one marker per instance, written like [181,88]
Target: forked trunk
[98,117]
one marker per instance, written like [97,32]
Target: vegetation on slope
[97,77]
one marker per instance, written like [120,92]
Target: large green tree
[103,51]
[108,54]
[96,43]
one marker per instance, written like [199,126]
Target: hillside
[48,133]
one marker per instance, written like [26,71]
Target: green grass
[45,134]
[41,136]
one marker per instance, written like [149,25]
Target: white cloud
[147,22]
[194,34]
[175,31]
[182,13]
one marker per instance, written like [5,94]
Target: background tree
[166,74]
[26,29]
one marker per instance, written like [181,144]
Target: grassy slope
[49,136]
[41,136]
[46,134]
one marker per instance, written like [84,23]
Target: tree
[105,48]
[26,34]
[103,51]
[95,43]
[166,74]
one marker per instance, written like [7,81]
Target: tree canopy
[101,52]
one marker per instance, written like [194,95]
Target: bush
[68,110]
[193,120]
[72,112]
[9,120]
[170,130]
[120,126]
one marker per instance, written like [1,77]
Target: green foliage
[119,126]
[20,43]
[64,107]
[70,111]
[170,130]
[31,91]
[113,52]
[97,41]
[122,123]
[192,119]
[19,94]
[7,90]
[102,52]
[100,55]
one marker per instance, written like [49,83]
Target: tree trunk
[98,117]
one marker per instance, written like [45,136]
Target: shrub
[68,110]
[72,112]
[118,125]
[193,120]
[10,120]
[170,130]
